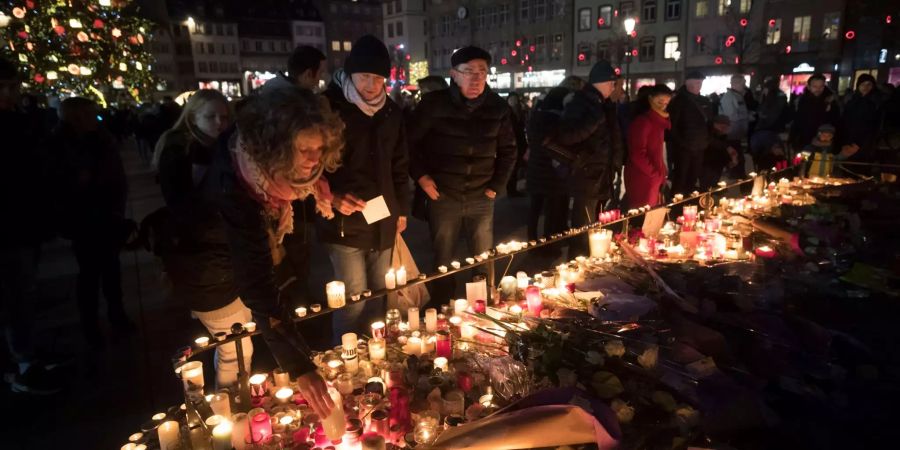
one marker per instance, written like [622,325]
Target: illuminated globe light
[633,33]
[718,60]
[518,43]
[743,22]
[73,69]
[503,61]
[52,75]
[601,21]
[698,38]
[18,13]
[82,36]
[771,23]
[138,65]
[74,23]
[581,57]
[634,52]
[85,71]
[123,67]
[116,32]
[531,48]
[850,34]
[729,41]
[618,71]
[513,53]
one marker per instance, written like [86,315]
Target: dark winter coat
[645,169]
[716,155]
[544,176]
[861,121]
[374,162]
[25,187]
[91,183]
[466,146]
[813,112]
[586,128]
[690,115]
[772,113]
[194,246]
[247,230]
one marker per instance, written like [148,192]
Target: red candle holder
[534,301]
[260,426]
[444,345]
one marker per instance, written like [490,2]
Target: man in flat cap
[586,129]
[690,114]
[462,151]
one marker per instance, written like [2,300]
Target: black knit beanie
[369,55]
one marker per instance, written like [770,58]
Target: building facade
[404,27]
[530,41]
[345,22]
[653,53]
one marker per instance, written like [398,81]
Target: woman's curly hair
[269,122]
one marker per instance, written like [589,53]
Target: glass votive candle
[301,311]
[250,327]
[378,330]
[201,341]
[284,395]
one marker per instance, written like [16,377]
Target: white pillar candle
[349,341]
[460,306]
[431,320]
[428,343]
[390,279]
[169,435]
[413,346]
[401,276]
[214,420]
[335,293]
[413,318]
[521,280]
[221,404]
[441,363]
[377,349]
[221,436]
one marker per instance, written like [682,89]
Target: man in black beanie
[585,130]
[374,165]
[463,150]
[690,114]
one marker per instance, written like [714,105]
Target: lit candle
[192,376]
[534,300]
[240,429]
[378,330]
[281,378]
[221,436]
[335,424]
[301,311]
[221,404]
[413,318]
[135,437]
[401,276]
[467,331]
[202,341]
[480,306]
[431,320]
[440,363]
[413,346]
[442,269]
[599,243]
[515,310]
[521,280]
[258,384]
[250,327]
[169,435]
[455,264]
[460,306]
[428,343]
[260,425]
[444,344]
[390,279]
[335,293]
[377,349]
[284,395]
[508,286]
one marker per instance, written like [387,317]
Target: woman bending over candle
[283,144]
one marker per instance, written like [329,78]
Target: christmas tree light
[79,47]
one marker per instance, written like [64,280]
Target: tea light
[220,404]
[377,349]
[413,318]
[765,251]
[455,264]
[413,346]
[480,306]
[470,260]
[257,384]
[431,320]
[401,276]
[284,395]
[250,327]
[158,417]
[133,446]
[315,307]
[260,425]
[214,420]
[335,293]
[220,336]
[300,312]
[221,435]
[515,310]
[467,331]
[442,269]
[378,330]
[460,306]
[440,363]
[202,341]
[390,279]
[169,435]
[135,437]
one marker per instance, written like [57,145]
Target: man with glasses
[463,150]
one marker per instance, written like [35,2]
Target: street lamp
[629,24]
[676,55]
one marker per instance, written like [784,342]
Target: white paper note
[476,291]
[653,221]
[375,210]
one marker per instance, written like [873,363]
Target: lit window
[604,16]
[335,46]
[671,44]
[773,33]
[701,8]
[746,5]
[347,46]
[584,19]
[801,28]
[831,25]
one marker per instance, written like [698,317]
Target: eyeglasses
[472,75]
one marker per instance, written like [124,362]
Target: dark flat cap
[469,53]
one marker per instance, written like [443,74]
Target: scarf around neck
[276,196]
[368,107]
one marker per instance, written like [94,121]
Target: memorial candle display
[169,433]
[260,425]
[534,300]
[431,320]
[599,242]
[413,318]
[444,345]
[378,330]
[334,291]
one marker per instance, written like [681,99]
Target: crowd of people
[249,186]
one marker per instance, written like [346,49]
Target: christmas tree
[79,47]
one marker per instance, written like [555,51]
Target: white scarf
[369,108]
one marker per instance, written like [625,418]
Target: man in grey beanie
[585,130]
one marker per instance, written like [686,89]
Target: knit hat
[826,128]
[865,77]
[694,75]
[369,55]
[469,53]
[602,71]
[723,119]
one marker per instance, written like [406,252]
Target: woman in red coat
[645,170]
